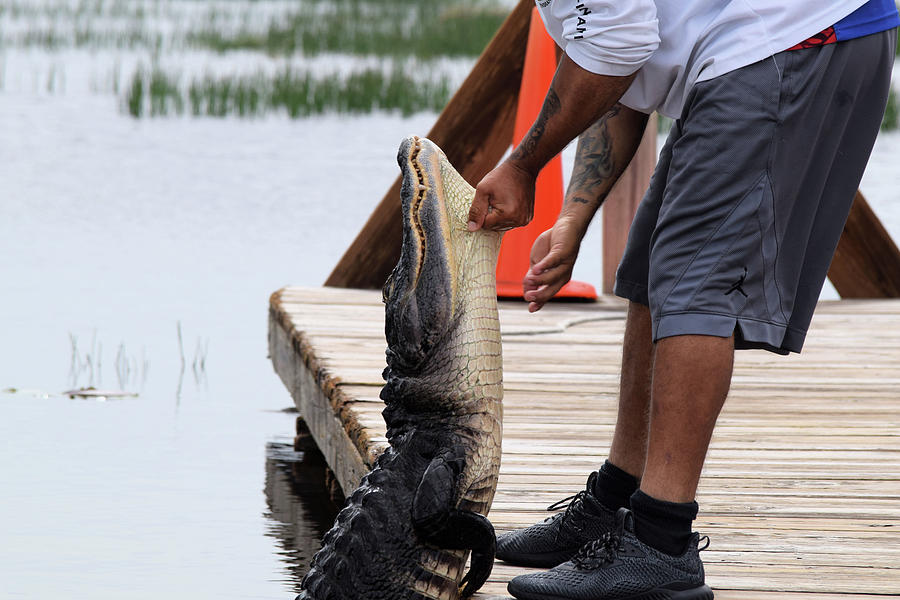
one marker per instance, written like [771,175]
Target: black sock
[614,487]
[663,525]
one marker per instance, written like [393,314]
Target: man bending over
[778,104]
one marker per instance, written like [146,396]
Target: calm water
[140,256]
[115,234]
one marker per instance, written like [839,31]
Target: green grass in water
[297,93]
[156,93]
[425,30]
[134,97]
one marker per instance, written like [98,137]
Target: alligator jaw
[420,294]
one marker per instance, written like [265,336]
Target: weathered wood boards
[474,131]
[867,261]
[801,490]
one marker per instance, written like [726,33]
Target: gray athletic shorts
[744,211]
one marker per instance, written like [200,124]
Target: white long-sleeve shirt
[676,43]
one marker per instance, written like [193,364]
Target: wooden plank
[474,131]
[622,202]
[327,426]
[866,263]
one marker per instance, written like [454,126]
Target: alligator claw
[466,590]
[479,570]
[466,530]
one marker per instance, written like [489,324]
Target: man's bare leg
[670,395]
[629,445]
[691,377]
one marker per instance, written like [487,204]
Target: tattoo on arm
[551,106]
[595,163]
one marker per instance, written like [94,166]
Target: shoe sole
[699,593]
[544,561]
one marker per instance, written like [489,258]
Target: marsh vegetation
[248,58]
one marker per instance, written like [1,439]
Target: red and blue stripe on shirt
[874,16]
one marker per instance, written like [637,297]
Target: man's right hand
[553,256]
[576,99]
[504,199]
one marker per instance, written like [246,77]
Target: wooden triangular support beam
[867,261]
[474,131]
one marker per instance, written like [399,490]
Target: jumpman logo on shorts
[738,286]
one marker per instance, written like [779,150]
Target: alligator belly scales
[409,528]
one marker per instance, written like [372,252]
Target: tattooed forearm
[527,148]
[595,163]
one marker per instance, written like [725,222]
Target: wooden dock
[801,489]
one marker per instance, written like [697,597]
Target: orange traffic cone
[513,264]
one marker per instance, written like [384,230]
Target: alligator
[407,531]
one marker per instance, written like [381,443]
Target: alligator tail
[371,544]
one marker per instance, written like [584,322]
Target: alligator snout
[420,293]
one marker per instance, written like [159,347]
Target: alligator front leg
[438,522]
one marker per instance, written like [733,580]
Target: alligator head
[440,314]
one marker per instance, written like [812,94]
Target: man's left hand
[552,258]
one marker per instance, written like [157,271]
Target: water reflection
[300,506]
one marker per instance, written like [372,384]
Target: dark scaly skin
[406,531]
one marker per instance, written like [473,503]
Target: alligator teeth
[423,187]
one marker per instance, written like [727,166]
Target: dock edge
[318,398]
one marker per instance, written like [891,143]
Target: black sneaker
[619,566]
[556,539]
